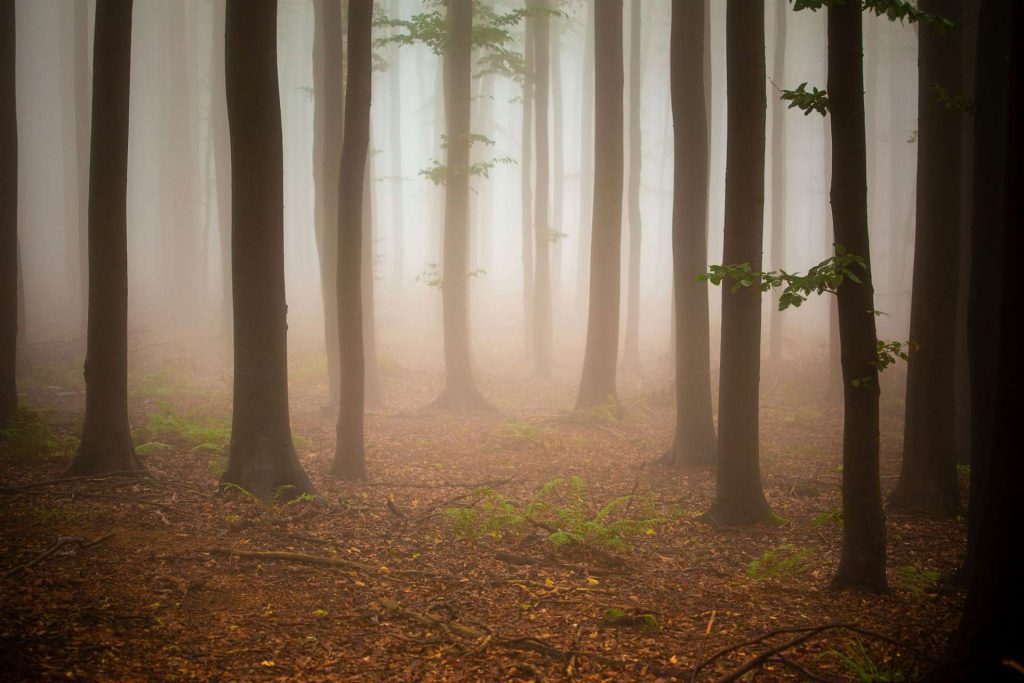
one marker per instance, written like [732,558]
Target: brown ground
[153,601]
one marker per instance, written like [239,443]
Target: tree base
[923,501]
[95,461]
[267,476]
[690,457]
[462,399]
[863,579]
[750,514]
[349,466]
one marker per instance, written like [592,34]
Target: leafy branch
[808,102]
[893,10]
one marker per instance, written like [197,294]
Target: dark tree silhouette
[694,439]
[106,444]
[8,216]
[460,391]
[739,498]
[988,638]
[221,143]
[586,159]
[526,181]
[541,223]
[328,112]
[778,244]
[395,144]
[597,384]
[349,457]
[928,479]
[862,563]
[631,337]
[262,456]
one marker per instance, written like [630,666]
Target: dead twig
[52,550]
[139,474]
[302,558]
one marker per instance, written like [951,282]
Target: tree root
[52,550]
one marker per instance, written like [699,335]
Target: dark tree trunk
[694,440]
[631,341]
[349,456]
[8,216]
[371,376]
[778,248]
[834,392]
[262,456]
[597,384]
[82,122]
[526,171]
[541,221]
[221,142]
[739,498]
[557,166]
[928,480]
[586,161]
[460,391]
[988,638]
[106,444]
[329,94]
[862,562]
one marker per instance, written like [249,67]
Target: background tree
[8,215]
[395,145]
[221,143]
[739,498]
[631,340]
[586,158]
[694,440]
[460,391]
[262,456]
[928,478]
[597,383]
[328,112]
[541,216]
[778,245]
[106,444]
[349,457]
[862,562]
[526,176]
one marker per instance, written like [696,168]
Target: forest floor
[432,571]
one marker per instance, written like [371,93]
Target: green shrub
[915,579]
[781,561]
[29,435]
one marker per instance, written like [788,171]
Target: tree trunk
[395,142]
[262,456]
[82,123]
[541,220]
[526,171]
[371,382]
[106,444]
[221,142]
[329,86]
[586,183]
[8,216]
[928,480]
[778,248]
[862,562]
[739,498]
[557,166]
[460,391]
[834,392]
[988,641]
[597,384]
[349,456]
[694,441]
[631,348]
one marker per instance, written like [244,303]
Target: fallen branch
[127,499]
[428,619]
[302,558]
[52,550]
[139,474]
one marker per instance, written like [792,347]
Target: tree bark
[597,384]
[8,216]
[460,391]
[526,175]
[106,444]
[778,246]
[693,443]
[541,218]
[862,562]
[586,161]
[221,142]
[262,456]
[371,383]
[928,480]
[349,456]
[395,142]
[557,166]
[631,341]
[739,498]
[82,123]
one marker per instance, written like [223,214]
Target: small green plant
[915,579]
[616,616]
[29,435]
[235,488]
[490,514]
[781,561]
[863,667]
[194,432]
[833,517]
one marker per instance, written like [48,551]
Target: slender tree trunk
[330,97]
[82,123]
[835,361]
[349,456]
[928,479]
[395,142]
[694,440]
[739,498]
[778,248]
[987,643]
[221,143]
[586,161]
[631,348]
[8,215]
[862,562]
[262,456]
[371,382]
[541,219]
[526,170]
[460,392]
[557,166]
[597,384]
[106,444]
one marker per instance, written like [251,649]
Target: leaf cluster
[808,102]
[893,10]
[781,561]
